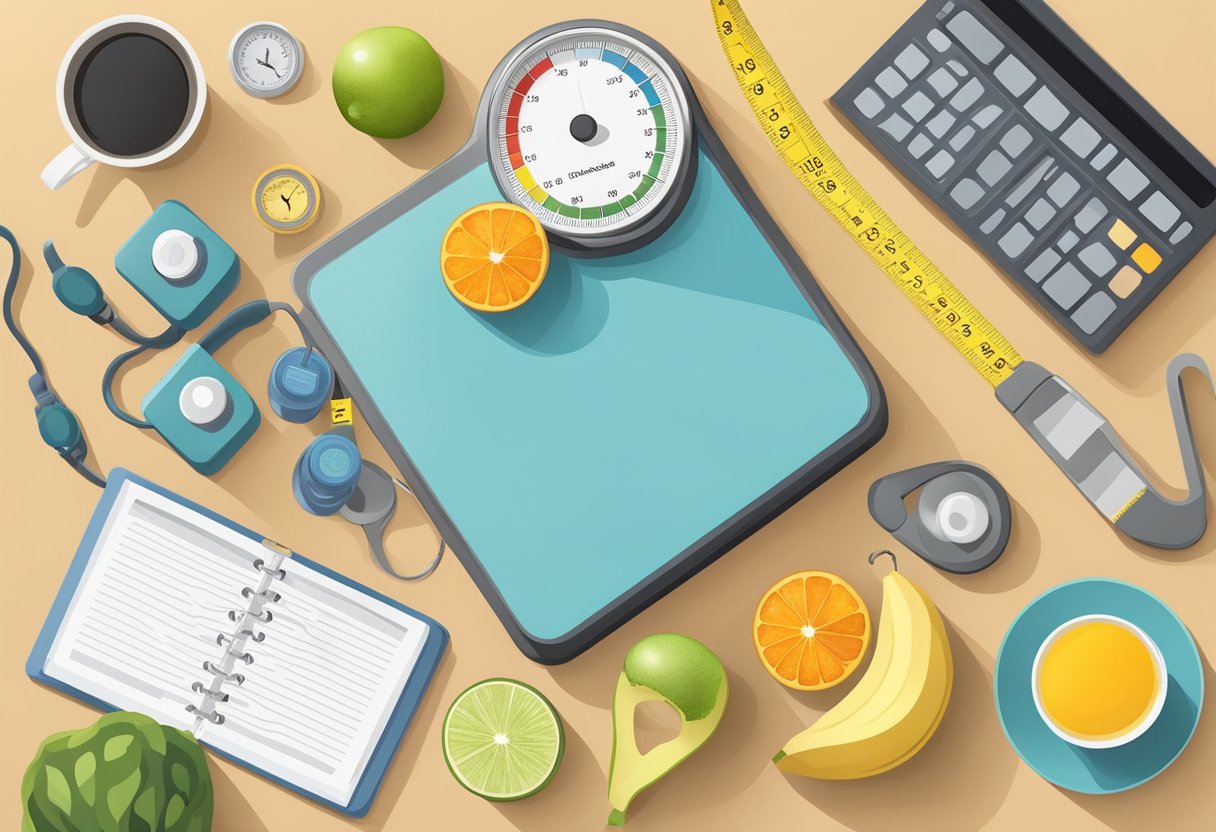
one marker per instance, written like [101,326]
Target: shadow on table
[1155,805]
[959,780]
[232,809]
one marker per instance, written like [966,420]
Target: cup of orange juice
[1098,681]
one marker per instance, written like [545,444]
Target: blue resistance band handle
[238,319]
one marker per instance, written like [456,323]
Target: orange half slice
[811,630]
[494,257]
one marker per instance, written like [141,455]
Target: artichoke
[125,773]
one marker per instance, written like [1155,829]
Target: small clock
[286,199]
[265,59]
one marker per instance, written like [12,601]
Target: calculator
[1069,180]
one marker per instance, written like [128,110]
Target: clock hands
[266,63]
[287,199]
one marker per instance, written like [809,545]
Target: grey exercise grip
[1086,448]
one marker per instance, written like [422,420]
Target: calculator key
[943,82]
[1089,216]
[958,68]
[1067,241]
[938,40]
[1094,312]
[986,116]
[940,123]
[1014,75]
[868,102]
[911,61]
[1063,189]
[1097,258]
[993,221]
[919,145]
[1015,140]
[1029,182]
[1105,156]
[1015,240]
[1066,286]
[975,36]
[940,164]
[1146,257]
[918,105]
[891,82]
[1180,233]
[1047,110]
[1081,138]
[1125,281]
[1041,265]
[1160,211]
[967,192]
[968,95]
[995,165]
[960,139]
[1128,179]
[897,126]
[1040,213]
[1121,234]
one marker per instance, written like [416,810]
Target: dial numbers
[590,133]
[285,199]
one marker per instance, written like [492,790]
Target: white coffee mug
[84,151]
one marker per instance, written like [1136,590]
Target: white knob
[175,254]
[203,400]
[962,517]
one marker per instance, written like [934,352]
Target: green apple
[688,676]
[388,81]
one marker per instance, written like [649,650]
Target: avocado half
[685,674]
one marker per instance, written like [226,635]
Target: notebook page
[148,608]
[322,684]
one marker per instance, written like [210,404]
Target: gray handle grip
[1086,448]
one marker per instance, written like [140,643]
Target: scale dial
[590,131]
[265,59]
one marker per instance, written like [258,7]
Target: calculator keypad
[992,136]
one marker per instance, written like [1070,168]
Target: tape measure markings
[811,159]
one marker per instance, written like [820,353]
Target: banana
[895,708]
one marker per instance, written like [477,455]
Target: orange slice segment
[811,630]
[494,257]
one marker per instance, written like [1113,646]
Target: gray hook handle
[1086,448]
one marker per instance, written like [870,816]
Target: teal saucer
[1109,770]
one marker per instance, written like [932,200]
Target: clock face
[265,60]
[286,199]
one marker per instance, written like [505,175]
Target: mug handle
[64,166]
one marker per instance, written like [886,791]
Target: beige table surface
[968,777]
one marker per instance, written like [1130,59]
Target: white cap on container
[962,517]
[175,254]
[203,400]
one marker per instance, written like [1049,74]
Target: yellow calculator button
[1121,235]
[1125,281]
[1146,257]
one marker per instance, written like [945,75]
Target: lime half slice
[502,740]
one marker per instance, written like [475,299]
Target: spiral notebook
[268,658]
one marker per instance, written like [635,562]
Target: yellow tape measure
[808,155]
[341,411]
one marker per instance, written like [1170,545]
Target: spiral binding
[259,598]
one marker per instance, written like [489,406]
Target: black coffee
[132,95]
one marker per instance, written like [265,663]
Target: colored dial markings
[590,134]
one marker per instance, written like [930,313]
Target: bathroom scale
[677,380]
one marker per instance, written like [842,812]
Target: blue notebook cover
[399,720]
